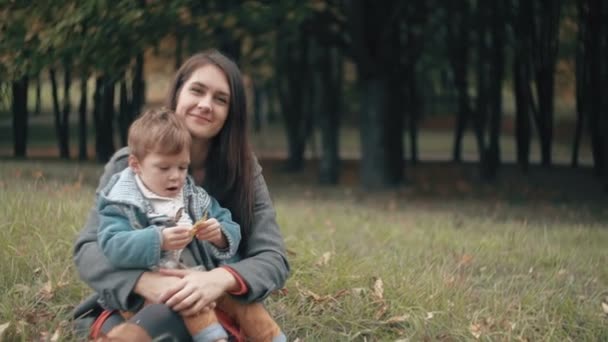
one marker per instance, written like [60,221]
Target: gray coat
[263,265]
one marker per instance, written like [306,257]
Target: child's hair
[160,131]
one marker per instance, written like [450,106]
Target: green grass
[484,264]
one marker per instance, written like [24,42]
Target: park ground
[443,258]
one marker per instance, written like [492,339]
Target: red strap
[101,319]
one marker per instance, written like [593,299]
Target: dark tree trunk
[38,104]
[293,85]
[483,83]
[104,118]
[594,89]
[331,77]
[413,112]
[138,87]
[582,79]
[60,116]
[374,105]
[521,83]
[495,95]
[124,111]
[545,35]
[20,116]
[82,117]
[458,47]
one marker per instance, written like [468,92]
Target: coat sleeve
[230,229]
[114,286]
[124,246]
[263,265]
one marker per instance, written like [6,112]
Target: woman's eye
[196,91]
[222,100]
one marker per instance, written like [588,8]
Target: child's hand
[211,231]
[176,238]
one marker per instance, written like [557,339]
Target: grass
[438,260]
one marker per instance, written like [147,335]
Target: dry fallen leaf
[3,328]
[56,335]
[378,289]
[429,315]
[323,260]
[397,319]
[475,330]
[605,307]
[381,311]
[46,292]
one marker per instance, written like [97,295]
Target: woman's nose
[204,103]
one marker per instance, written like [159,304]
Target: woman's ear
[134,164]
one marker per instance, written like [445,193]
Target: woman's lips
[201,118]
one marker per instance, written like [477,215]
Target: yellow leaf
[475,330]
[397,319]
[378,289]
[56,335]
[3,328]
[324,259]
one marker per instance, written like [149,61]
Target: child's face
[164,175]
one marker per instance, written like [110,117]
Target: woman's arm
[263,266]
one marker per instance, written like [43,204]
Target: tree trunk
[124,111]
[82,117]
[483,72]
[458,47]
[521,84]
[20,116]
[331,77]
[374,105]
[138,87]
[62,139]
[38,105]
[104,117]
[293,85]
[496,78]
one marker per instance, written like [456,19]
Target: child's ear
[134,164]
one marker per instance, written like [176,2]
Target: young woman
[207,93]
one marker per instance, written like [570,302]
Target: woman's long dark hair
[229,165]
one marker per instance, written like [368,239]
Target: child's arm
[124,246]
[228,243]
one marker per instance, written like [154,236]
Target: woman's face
[203,102]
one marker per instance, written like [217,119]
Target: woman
[207,93]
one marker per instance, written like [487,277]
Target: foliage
[475,266]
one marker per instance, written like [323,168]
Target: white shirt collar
[151,195]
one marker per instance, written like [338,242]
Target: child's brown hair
[160,131]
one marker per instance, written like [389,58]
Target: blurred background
[354,92]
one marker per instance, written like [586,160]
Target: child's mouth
[172,188]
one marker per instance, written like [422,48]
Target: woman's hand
[196,290]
